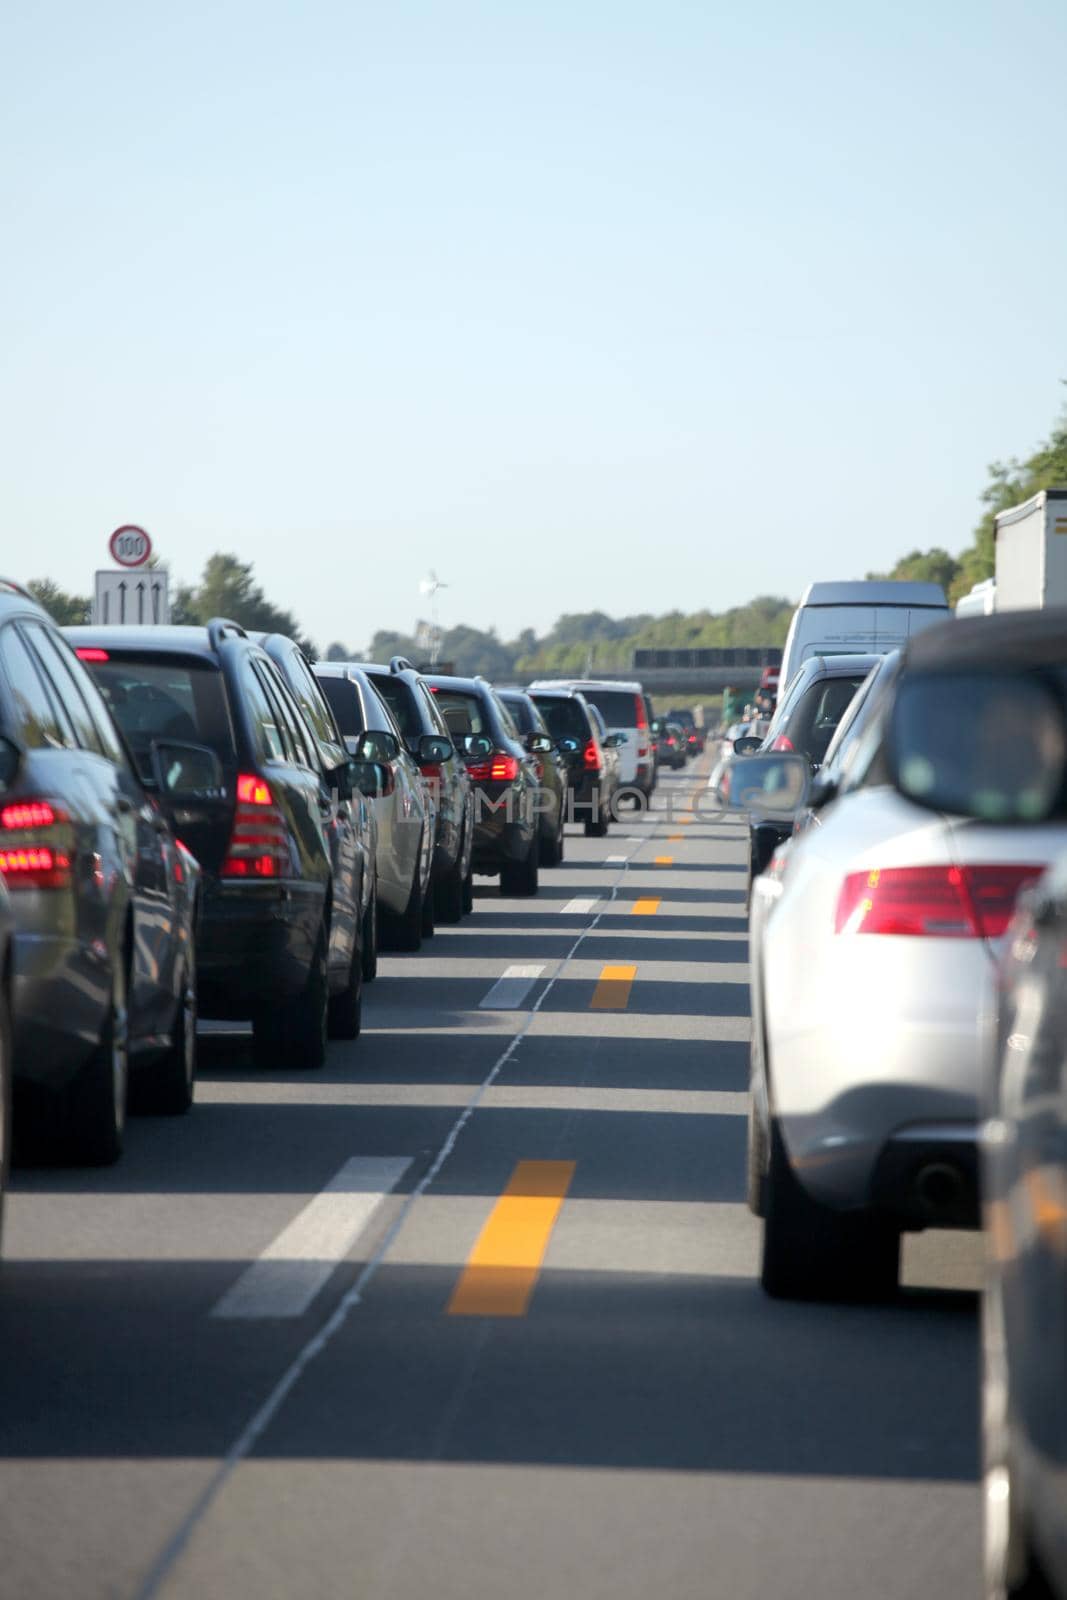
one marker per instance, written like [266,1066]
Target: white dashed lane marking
[510,990]
[578,908]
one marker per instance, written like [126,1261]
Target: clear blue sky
[586,303]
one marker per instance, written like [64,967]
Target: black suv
[590,787]
[411,703]
[506,777]
[207,714]
[103,900]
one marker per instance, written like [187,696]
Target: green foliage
[65,609]
[227,588]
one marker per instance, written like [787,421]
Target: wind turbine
[429,586]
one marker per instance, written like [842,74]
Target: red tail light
[431,770]
[590,756]
[87,652]
[943,902]
[259,846]
[642,720]
[35,846]
[782,742]
[499,769]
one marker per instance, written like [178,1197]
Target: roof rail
[219,627]
[9,586]
[401,664]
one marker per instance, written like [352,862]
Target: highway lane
[474,1310]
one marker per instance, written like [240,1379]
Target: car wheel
[94,1109]
[166,1088]
[345,1010]
[405,931]
[519,878]
[756,1162]
[811,1252]
[551,850]
[291,1033]
[448,894]
[1012,1569]
[5,1093]
[369,941]
[468,894]
[427,924]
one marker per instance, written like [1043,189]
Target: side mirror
[342,779]
[747,745]
[538,743]
[433,749]
[614,741]
[372,778]
[10,761]
[185,769]
[768,787]
[373,746]
[568,747]
[979,742]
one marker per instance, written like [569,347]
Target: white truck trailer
[1031,553]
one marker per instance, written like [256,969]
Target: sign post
[130,597]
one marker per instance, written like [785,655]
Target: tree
[65,609]
[227,588]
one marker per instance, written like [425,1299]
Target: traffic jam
[531,1138]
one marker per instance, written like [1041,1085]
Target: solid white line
[295,1265]
[577,908]
[511,988]
[260,1421]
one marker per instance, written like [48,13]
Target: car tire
[167,1087]
[448,894]
[519,878]
[344,1015]
[551,850]
[291,1033]
[756,1162]
[94,1106]
[369,941]
[405,931]
[468,893]
[597,829]
[6,1069]
[427,924]
[811,1252]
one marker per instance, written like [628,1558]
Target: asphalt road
[473,1312]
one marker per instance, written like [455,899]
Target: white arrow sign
[131,598]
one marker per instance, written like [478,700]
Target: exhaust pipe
[939,1186]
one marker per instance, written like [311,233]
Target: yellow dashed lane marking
[664,861]
[613,988]
[503,1267]
[673,838]
[646,907]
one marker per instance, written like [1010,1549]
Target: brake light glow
[590,756]
[30,862]
[642,720]
[259,845]
[500,769]
[783,742]
[944,902]
[88,652]
[31,814]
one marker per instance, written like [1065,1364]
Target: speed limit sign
[130,546]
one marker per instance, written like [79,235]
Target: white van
[845,619]
[622,705]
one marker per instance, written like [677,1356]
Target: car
[552,801]
[506,778]
[579,736]
[405,693]
[103,901]
[806,721]
[7,971]
[873,941]
[670,743]
[400,797]
[983,735]
[353,828]
[692,732]
[280,927]
[623,709]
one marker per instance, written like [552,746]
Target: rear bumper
[499,839]
[256,940]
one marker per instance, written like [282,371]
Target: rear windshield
[463,713]
[820,708]
[157,698]
[565,717]
[522,712]
[401,702]
[618,707]
[342,697]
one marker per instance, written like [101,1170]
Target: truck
[870,617]
[1031,553]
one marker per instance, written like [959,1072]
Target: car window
[307,692]
[564,715]
[265,717]
[523,714]
[158,697]
[298,741]
[398,697]
[36,718]
[439,723]
[506,718]
[618,707]
[463,712]
[343,699]
[818,711]
[57,670]
[598,723]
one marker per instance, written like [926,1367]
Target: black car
[405,693]
[103,899]
[7,971]
[805,721]
[589,769]
[694,735]
[206,713]
[505,776]
[359,818]
[552,802]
